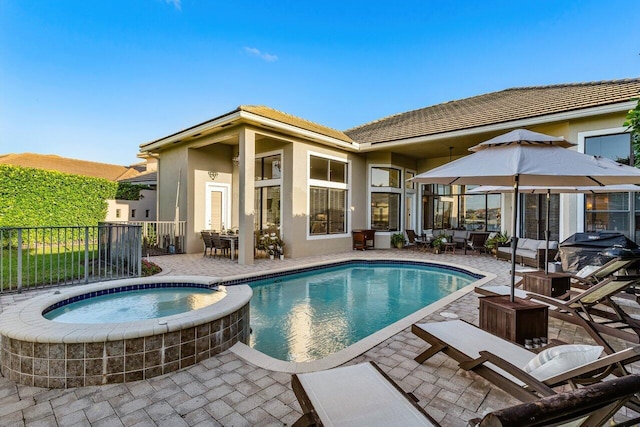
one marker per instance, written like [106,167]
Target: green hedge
[33,197]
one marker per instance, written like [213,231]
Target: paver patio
[228,391]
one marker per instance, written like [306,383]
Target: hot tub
[45,353]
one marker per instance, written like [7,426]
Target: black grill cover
[582,249]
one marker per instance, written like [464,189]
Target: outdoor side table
[451,247]
[550,284]
[513,321]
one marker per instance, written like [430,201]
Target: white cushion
[587,270]
[532,245]
[522,242]
[556,360]
[543,244]
[526,253]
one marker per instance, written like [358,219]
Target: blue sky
[95,79]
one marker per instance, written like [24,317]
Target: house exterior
[118,210]
[255,168]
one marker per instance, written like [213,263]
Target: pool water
[309,316]
[135,305]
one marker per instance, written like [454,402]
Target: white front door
[217,215]
[409,211]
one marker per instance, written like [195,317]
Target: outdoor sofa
[529,252]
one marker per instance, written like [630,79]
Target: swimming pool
[311,315]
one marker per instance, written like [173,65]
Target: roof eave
[520,123]
[248,117]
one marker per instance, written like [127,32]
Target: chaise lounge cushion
[562,358]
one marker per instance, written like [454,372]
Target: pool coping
[25,322]
[354,350]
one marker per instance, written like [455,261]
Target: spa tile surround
[58,365]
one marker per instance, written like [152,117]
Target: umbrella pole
[514,238]
[546,235]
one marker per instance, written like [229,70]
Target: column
[247,140]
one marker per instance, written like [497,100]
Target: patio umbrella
[622,188]
[522,157]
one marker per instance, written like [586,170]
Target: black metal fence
[32,257]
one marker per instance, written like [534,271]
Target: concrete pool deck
[228,391]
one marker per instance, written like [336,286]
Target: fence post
[19,278]
[86,254]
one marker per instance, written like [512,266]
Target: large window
[385,211]
[328,194]
[445,206]
[386,195]
[267,201]
[610,211]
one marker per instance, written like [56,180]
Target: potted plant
[438,243]
[492,243]
[398,240]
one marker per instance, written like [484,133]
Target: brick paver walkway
[228,391]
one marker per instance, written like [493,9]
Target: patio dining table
[233,239]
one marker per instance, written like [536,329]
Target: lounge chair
[591,275]
[581,307]
[355,395]
[502,362]
[590,406]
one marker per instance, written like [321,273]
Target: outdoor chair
[476,242]
[506,364]
[591,275]
[589,406]
[223,246]
[208,242]
[355,395]
[416,241]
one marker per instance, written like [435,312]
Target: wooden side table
[550,284]
[451,247]
[513,321]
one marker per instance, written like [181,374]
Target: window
[118,213]
[133,213]
[268,167]
[385,177]
[409,184]
[267,203]
[327,196]
[446,206]
[610,211]
[385,194]
[385,211]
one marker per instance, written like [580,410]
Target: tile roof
[143,178]
[270,113]
[496,107]
[67,165]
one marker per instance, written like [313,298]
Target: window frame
[329,185]
[274,182]
[388,190]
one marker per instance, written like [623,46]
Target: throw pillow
[562,358]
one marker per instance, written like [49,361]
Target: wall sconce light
[236,159]
[213,175]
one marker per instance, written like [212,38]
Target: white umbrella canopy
[533,165]
[528,158]
[621,188]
